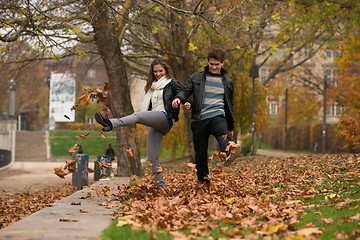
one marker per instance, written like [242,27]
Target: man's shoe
[234,153]
[104,121]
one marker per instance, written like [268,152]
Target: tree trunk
[119,100]
[183,68]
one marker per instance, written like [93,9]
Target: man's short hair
[216,54]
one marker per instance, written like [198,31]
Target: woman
[156,112]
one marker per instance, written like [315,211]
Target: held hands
[176,102]
[187,106]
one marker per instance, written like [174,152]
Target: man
[211,110]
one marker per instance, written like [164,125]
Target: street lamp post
[324,117]
[254,73]
[12,89]
[285,121]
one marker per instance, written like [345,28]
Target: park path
[276,153]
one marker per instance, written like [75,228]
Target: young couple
[211,111]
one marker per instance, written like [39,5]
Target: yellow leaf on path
[274,229]
[233,199]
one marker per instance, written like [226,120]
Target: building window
[331,76]
[334,110]
[263,75]
[90,120]
[273,107]
[328,53]
[91,73]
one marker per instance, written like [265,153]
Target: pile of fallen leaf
[14,207]
[264,196]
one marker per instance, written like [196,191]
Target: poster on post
[62,97]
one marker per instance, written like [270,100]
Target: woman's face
[159,71]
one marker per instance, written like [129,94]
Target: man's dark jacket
[196,86]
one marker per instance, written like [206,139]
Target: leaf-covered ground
[14,207]
[267,198]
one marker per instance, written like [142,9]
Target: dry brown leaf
[58,171]
[85,210]
[74,107]
[76,203]
[84,100]
[213,155]
[105,110]
[327,220]
[191,165]
[74,149]
[222,156]
[98,192]
[107,86]
[129,153]
[66,219]
[90,170]
[355,217]
[103,136]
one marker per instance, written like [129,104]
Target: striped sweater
[213,102]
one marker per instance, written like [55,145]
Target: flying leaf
[222,156]
[74,107]
[66,116]
[58,171]
[191,165]
[84,136]
[104,110]
[129,153]
[84,100]
[107,86]
[103,136]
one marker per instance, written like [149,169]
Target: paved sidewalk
[46,224]
[276,153]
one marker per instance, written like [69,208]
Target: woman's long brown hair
[151,77]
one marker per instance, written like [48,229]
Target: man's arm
[183,95]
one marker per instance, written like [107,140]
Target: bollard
[106,172]
[80,175]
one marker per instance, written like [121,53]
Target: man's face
[215,65]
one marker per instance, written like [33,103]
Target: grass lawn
[309,197]
[93,145]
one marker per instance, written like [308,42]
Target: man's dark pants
[202,130]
